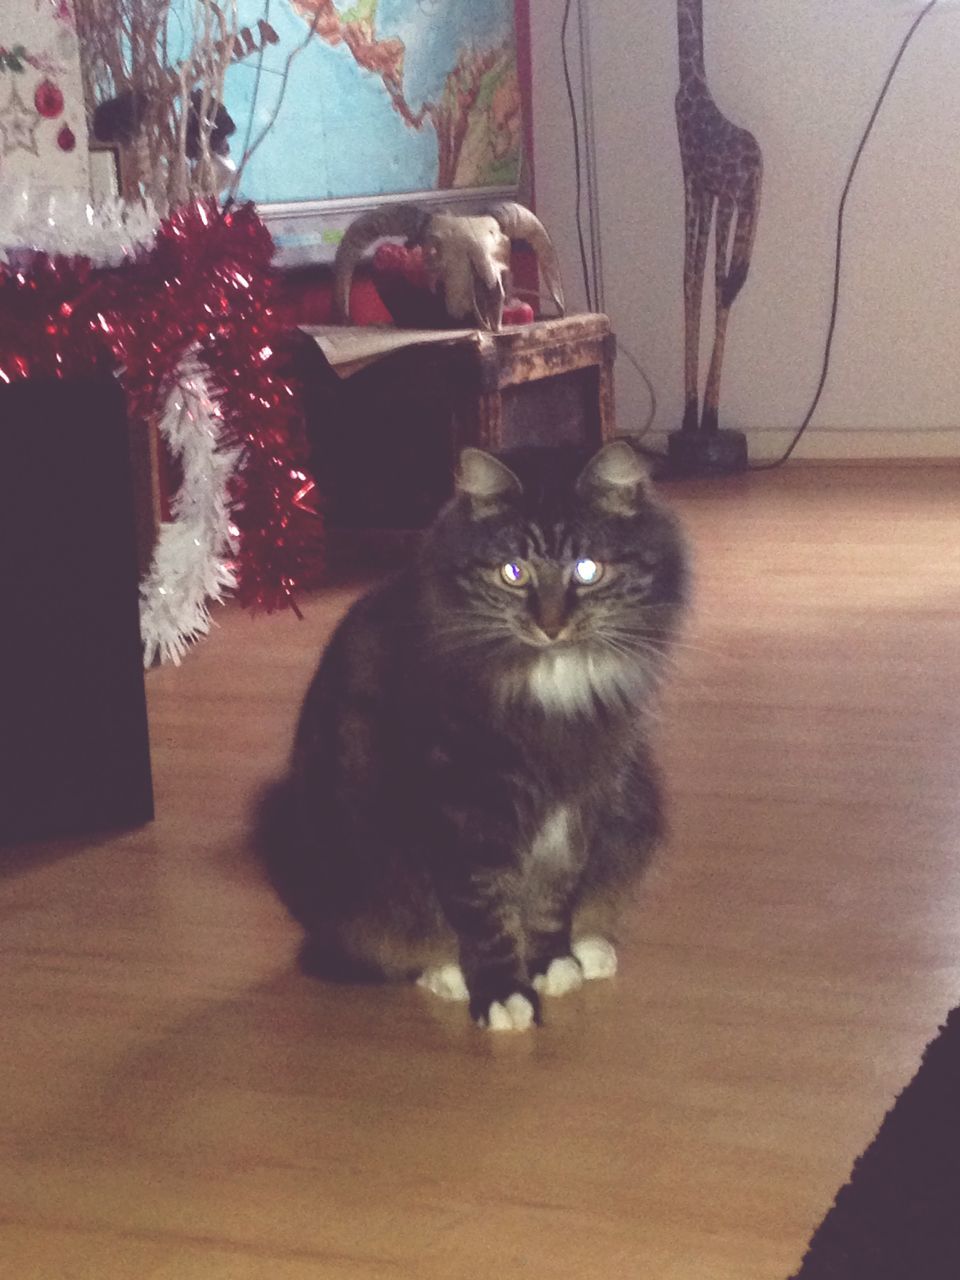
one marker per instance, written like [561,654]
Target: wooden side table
[538,384]
[388,410]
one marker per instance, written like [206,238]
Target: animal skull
[466,256]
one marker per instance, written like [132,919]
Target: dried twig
[126,51]
[250,148]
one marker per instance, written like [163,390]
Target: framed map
[373,100]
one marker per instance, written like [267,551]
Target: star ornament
[18,125]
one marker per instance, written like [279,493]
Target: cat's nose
[551,619]
[550,605]
[551,629]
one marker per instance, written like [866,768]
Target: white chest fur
[568,681]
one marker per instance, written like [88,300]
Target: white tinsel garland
[190,566]
[64,222]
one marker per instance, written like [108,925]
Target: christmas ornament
[199,298]
[63,222]
[404,288]
[48,99]
[191,562]
[516,311]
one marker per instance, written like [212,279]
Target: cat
[471,789]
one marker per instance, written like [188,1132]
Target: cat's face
[557,571]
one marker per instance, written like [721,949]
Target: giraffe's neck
[690,33]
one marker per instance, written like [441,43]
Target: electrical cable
[838,254]
[589,149]
[835,303]
[577,164]
[652,411]
[596,258]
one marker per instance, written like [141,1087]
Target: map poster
[364,100]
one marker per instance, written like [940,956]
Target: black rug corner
[898,1218]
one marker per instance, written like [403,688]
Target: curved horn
[389,220]
[520,224]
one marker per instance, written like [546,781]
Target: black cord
[835,304]
[575,122]
[652,411]
[593,204]
[590,289]
[838,256]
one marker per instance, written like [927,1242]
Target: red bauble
[48,100]
[517,312]
[396,259]
[401,281]
[66,139]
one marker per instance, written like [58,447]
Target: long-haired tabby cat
[471,789]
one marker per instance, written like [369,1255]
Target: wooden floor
[178,1102]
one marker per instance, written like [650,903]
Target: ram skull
[466,256]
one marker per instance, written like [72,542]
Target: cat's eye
[515,573]
[587,572]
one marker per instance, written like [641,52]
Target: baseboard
[836,445]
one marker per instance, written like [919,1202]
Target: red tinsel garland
[205,286]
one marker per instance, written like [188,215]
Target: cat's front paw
[561,975]
[444,980]
[516,1008]
[597,957]
[516,1013]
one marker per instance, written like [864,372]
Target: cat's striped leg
[476,878]
[553,869]
[499,990]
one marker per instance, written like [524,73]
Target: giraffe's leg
[697,210]
[747,211]
[711,395]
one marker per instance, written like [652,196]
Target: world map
[376,97]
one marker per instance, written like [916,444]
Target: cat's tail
[278,842]
[284,836]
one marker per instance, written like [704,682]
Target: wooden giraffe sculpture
[722,169]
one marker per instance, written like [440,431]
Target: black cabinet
[74,752]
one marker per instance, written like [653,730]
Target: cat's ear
[486,481]
[615,479]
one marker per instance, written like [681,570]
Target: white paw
[445,981]
[563,975]
[597,957]
[514,1014]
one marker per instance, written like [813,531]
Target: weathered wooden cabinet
[385,437]
[545,383]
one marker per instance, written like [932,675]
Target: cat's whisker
[459,640]
[670,644]
[635,640]
[631,651]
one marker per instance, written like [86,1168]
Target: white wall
[802,75]
[32,145]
